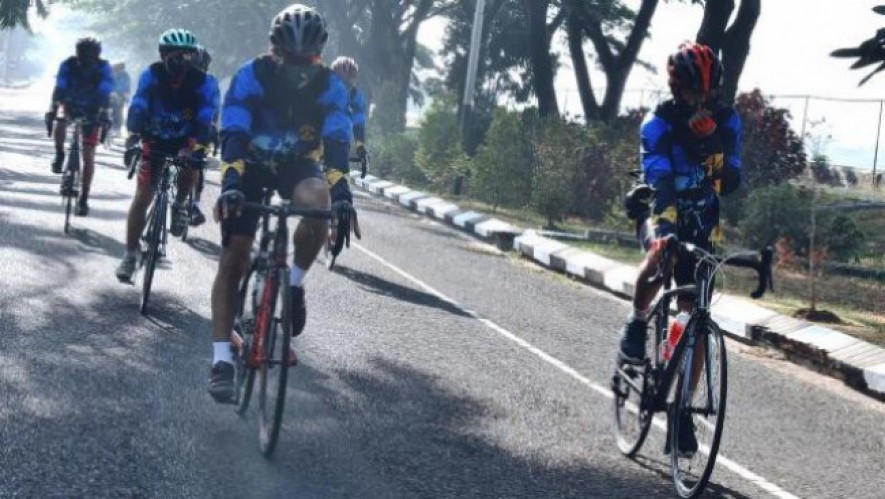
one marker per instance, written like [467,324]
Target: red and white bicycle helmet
[694,67]
[346,67]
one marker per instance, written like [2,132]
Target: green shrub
[774,213]
[844,239]
[502,167]
[395,160]
[439,154]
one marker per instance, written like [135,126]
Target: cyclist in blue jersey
[691,155]
[82,90]
[120,95]
[282,113]
[348,70]
[170,114]
[195,213]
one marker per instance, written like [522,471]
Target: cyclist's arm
[206,112]
[656,140]
[732,143]
[139,106]
[236,118]
[105,85]
[358,105]
[337,129]
[62,83]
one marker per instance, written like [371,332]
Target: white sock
[222,352]
[296,276]
[641,315]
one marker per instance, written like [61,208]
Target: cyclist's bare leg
[136,219]
[645,290]
[310,236]
[88,170]
[186,180]
[59,133]
[232,266]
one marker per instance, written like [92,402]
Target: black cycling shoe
[299,310]
[179,220]
[633,341]
[82,209]
[221,382]
[57,162]
[196,216]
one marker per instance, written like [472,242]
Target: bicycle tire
[69,207]
[244,377]
[688,483]
[633,417]
[276,352]
[155,228]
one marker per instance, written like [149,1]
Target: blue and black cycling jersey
[168,107]
[122,83]
[275,113]
[687,172]
[358,114]
[82,87]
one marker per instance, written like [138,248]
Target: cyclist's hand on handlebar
[49,118]
[229,204]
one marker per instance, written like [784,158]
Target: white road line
[743,472]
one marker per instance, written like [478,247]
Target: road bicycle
[263,324]
[70,176]
[684,374]
[156,233]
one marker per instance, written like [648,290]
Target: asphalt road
[432,366]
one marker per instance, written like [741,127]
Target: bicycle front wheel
[244,325]
[697,415]
[273,373]
[151,255]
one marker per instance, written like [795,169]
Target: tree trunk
[733,42]
[539,54]
[582,75]
[736,46]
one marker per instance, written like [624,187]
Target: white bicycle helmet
[300,30]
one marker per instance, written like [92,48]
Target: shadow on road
[380,286]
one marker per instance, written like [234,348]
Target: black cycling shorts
[683,272]
[254,180]
[153,156]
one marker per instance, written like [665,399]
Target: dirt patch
[823,316]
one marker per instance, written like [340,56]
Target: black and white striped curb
[860,364]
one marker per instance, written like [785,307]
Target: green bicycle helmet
[178,39]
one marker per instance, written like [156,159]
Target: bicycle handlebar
[176,160]
[760,261]
[364,164]
[286,209]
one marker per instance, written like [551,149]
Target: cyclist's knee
[235,255]
[312,193]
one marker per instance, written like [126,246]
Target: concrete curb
[859,364]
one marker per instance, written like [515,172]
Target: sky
[789,55]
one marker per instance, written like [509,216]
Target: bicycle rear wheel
[152,254]
[70,192]
[273,373]
[631,388]
[698,410]
[244,325]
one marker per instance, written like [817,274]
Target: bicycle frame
[266,265]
